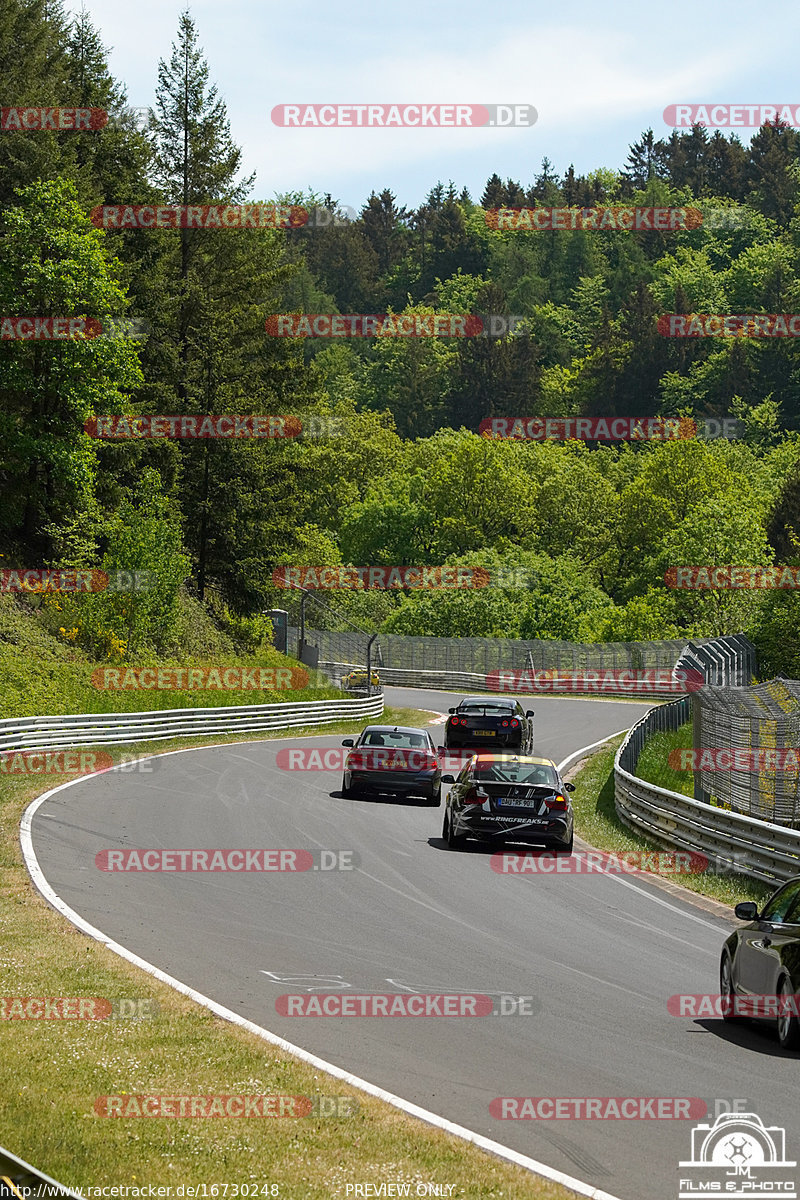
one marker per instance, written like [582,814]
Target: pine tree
[386,228]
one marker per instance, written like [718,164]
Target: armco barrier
[741,844]
[463,664]
[92,729]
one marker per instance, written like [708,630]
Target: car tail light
[431,762]
[475,796]
[514,724]
[557,803]
[505,724]
[463,720]
[454,720]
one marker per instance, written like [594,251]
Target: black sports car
[763,960]
[507,797]
[489,721]
[393,758]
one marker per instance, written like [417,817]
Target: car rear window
[539,775]
[404,741]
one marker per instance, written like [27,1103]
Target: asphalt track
[600,955]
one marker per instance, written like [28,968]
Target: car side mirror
[746,911]
[529,713]
[441,750]
[451,710]
[569,787]
[448,779]
[348,742]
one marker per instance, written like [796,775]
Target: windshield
[539,774]
[388,737]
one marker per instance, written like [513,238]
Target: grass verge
[52,1071]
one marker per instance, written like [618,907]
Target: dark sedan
[762,960]
[488,721]
[507,797]
[393,758]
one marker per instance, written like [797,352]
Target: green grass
[596,821]
[653,764]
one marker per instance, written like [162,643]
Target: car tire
[726,990]
[788,1026]
[347,792]
[434,799]
[454,842]
[565,850]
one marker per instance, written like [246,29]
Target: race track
[599,955]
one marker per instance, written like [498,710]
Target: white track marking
[414,1110]
[626,882]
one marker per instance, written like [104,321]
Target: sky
[598,74]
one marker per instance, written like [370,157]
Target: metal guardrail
[473,681]
[739,844]
[92,729]
[20,1179]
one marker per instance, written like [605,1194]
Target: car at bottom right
[762,959]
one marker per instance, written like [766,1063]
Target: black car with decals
[501,798]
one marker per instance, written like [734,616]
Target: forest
[394,467]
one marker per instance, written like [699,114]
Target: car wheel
[788,1024]
[566,849]
[346,791]
[454,842]
[726,989]
[434,799]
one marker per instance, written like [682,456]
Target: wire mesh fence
[470,662]
[761,718]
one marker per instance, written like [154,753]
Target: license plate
[486,733]
[511,802]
